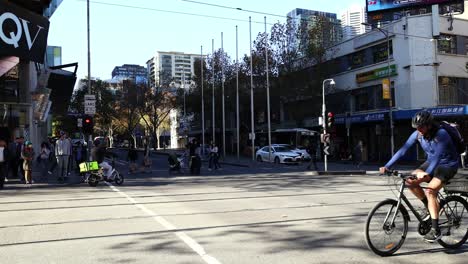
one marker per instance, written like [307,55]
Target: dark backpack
[457,139]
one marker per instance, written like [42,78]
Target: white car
[302,151]
[279,154]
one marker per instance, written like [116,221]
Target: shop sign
[445,111]
[22,33]
[386,88]
[376,74]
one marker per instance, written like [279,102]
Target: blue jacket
[440,151]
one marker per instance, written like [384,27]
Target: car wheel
[259,158]
[277,160]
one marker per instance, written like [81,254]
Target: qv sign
[22,33]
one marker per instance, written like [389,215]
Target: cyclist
[441,165]
[98,153]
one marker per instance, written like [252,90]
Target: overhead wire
[174,12]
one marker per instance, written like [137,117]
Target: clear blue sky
[122,35]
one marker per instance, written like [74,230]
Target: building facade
[53,56]
[351,21]
[131,71]
[299,16]
[25,91]
[171,68]
[427,70]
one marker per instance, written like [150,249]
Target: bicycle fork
[392,223]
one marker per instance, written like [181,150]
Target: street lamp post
[390,111]
[324,123]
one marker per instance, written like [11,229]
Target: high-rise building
[351,21]
[171,67]
[131,71]
[54,56]
[299,16]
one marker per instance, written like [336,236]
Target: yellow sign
[386,89]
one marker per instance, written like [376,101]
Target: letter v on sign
[28,35]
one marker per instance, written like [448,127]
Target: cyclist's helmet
[422,118]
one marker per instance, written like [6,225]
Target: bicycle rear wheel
[383,237]
[453,221]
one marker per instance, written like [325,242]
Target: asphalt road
[264,214]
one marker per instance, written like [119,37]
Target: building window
[447,44]
[453,90]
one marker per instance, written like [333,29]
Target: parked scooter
[92,174]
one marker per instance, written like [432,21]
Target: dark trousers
[3,173]
[16,164]
[313,162]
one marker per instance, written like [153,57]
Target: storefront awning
[447,111]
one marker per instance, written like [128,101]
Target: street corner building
[33,85]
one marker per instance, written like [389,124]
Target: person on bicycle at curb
[441,165]
[98,153]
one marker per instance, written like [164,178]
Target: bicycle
[389,220]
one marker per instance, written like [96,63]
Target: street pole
[222,91]
[237,93]
[324,123]
[252,121]
[324,120]
[390,111]
[90,138]
[202,100]
[268,91]
[213,90]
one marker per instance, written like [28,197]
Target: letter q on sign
[13,39]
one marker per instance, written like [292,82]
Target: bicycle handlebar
[404,176]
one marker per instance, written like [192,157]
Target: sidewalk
[333,167]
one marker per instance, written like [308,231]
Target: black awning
[62,83]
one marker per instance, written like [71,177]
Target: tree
[105,105]
[155,110]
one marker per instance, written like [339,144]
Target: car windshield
[283,149]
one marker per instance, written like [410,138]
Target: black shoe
[433,235]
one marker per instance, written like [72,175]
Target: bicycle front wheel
[453,221]
[382,236]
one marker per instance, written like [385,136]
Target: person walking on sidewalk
[16,162]
[4,159]
[132,158]
[62,152]
[28,155]
[312,151]
[214,157]
[357,154]
[44,160]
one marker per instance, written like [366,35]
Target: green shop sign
[376,74]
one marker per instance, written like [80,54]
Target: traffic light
[88,125]
[330,119]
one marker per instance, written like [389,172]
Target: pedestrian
[52,157]
[62,152]
[132,159]
[357,154]
[312,151]
[79,157]
[214,157]
[44,160]
[70,157]
[28,155]
[15,159]
[4,159]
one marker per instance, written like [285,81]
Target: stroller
[174,164]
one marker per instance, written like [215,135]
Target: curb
[350,172]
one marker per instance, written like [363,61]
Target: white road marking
[194,245]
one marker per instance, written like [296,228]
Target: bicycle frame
[402,197]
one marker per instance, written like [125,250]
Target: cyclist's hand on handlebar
[419,174]
[383,170]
